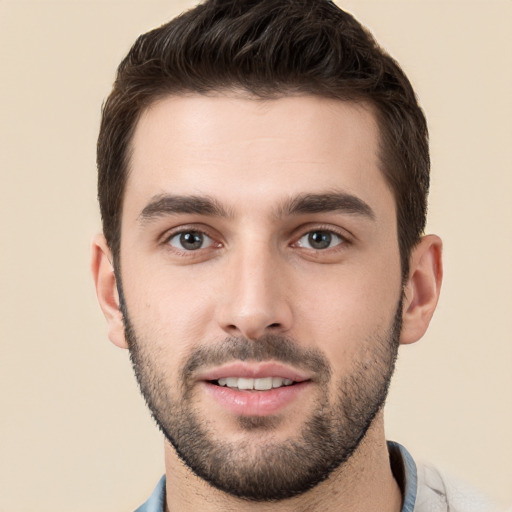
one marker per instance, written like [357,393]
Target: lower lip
[256,403]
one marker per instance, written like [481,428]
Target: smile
[260,384]
[255,388]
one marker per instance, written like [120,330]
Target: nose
[254,295]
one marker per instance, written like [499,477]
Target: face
[260,284]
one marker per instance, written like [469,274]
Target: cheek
[170,312]
[348,311]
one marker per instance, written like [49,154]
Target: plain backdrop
[74,432]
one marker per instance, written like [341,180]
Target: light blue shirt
[423,489]
[156,502]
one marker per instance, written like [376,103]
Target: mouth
[255,389]
[251,384]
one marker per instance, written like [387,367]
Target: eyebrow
[328,202]
[163,205]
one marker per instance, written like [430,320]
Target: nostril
[274,325]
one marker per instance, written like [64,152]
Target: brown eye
[190,240]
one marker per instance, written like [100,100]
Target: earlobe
[106,290]
[421,291]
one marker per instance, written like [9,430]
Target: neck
[364,482]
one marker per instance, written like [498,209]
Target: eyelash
[344,237]
[331,234]
[344,240]
[184,230]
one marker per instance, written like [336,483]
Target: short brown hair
[269,48]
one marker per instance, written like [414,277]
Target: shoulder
[439,492]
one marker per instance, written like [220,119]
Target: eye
[319,240]
[190,240]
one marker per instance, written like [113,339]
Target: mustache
[268,347]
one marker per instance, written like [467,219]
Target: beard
[271,470]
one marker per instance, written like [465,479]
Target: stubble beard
[271,470]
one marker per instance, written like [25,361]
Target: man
[263,177]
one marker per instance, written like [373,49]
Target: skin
[259,274]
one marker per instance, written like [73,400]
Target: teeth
[263,384]
[245,383]
[231,382]
[277,382]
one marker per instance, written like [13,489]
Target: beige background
[74,433]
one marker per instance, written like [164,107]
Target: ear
[421,291]
[106,290]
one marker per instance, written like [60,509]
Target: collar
[405,473]
[402,465]
[156,502]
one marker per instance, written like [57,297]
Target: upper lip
[254,371]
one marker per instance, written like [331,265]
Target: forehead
[247,151]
